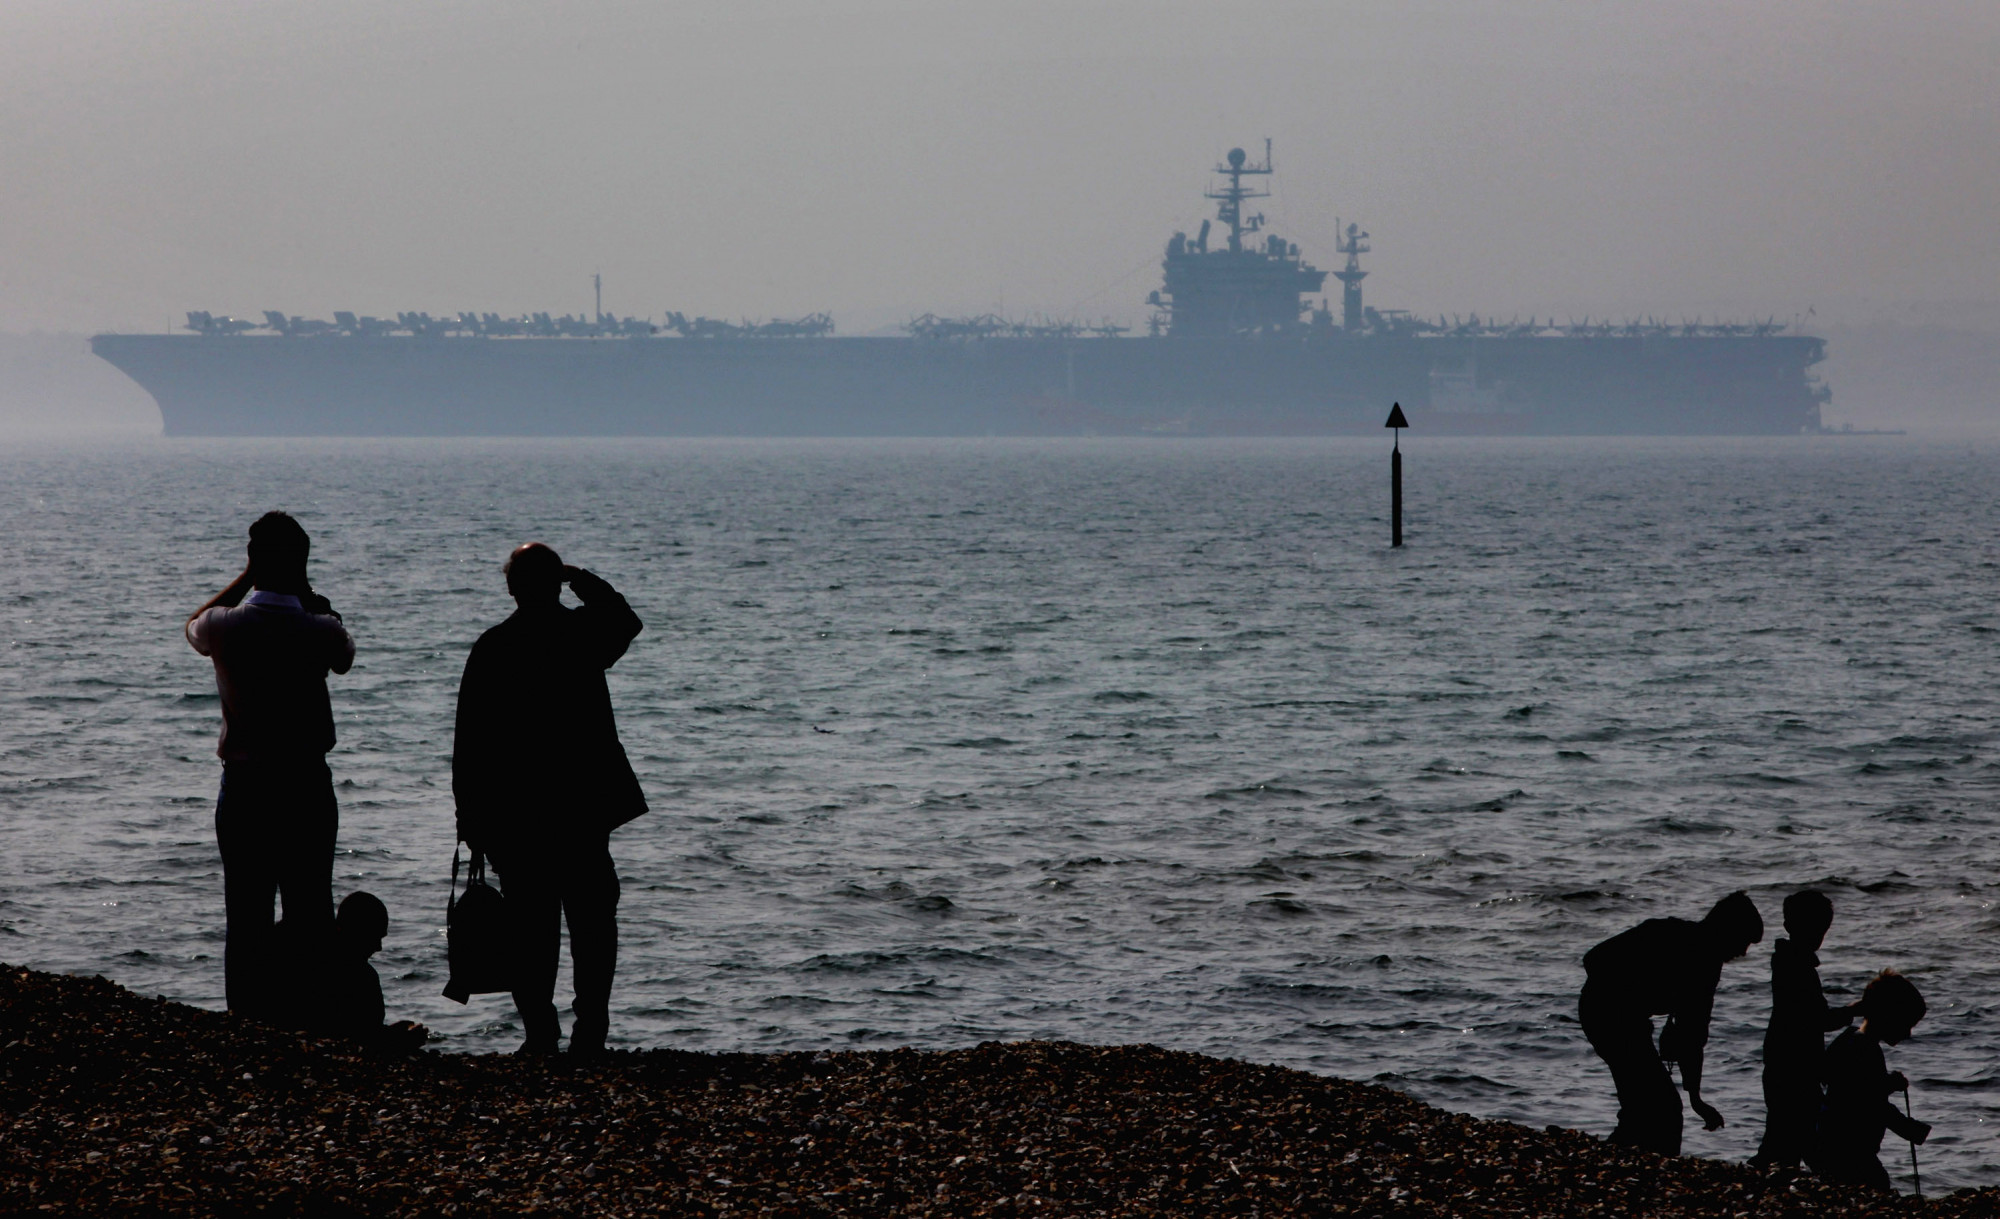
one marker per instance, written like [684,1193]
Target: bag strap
[451,900]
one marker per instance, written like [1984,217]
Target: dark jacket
[536,758]
[1663,966]
[1800,1017]
[1857,1109]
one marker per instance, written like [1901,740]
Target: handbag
[476,936]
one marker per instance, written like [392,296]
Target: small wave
[1282,904]
[853,962]
[1914,764]
[1121,696]
[1910,814]
[1304,990]
[1684,825]
[1254,790]
[1887,885]
[1760,778]
[1455,1083]
[955,800]
[898,893]
[805,1001]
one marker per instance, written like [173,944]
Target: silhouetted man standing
[273,641]
[541,781]
[1664,966]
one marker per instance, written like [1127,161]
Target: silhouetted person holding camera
[541,781]
[273,640]
[1670,967]
[1795,1040]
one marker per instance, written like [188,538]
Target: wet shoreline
[116,1103]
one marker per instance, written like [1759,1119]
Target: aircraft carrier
[1237,345]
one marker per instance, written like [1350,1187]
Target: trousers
[1649,1106]
[1851,1166]
[546,886]
[275,824]
[1791,1109]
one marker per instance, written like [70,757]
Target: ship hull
[465,386]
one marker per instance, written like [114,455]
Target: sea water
[1112,741]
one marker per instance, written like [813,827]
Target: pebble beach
[118,1104]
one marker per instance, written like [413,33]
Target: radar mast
[1354,245]
[1249,288]
[1230,198]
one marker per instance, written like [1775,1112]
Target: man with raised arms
[273,641]
[541,780]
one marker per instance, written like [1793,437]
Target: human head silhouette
[1733,924]
[1892,1006]
[1808,913]
[534,574]
[361,923]
[278,550]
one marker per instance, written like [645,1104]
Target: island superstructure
[1237,344]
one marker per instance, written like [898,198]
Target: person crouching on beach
[350,993]
[1857,1109]
[1664,966]
[541,780]
[273,641]
[1795,1040]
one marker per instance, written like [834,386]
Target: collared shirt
[271,661]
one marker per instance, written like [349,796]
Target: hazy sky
[882,159]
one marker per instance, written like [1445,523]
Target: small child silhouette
[1857,1109]
[351,999]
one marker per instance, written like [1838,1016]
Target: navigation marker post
[1397,421]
